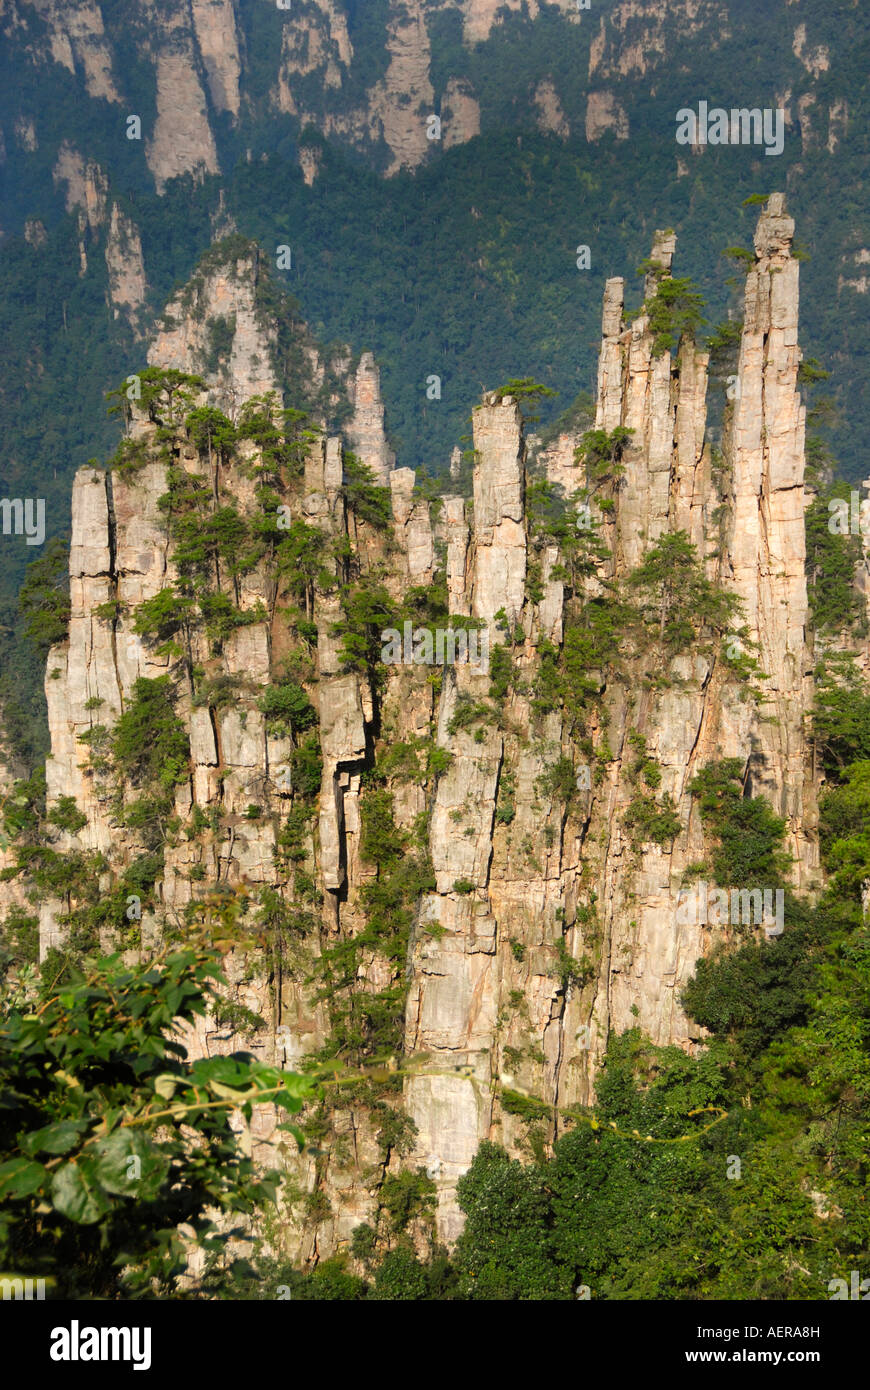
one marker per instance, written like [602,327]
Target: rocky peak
[366,430]
[215,327]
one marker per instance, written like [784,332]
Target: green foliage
[368,610]
[99,1109]
[221,331]
[149,742]
[438,761]
[210,430]
[756,992]
[506,1249]
[811,371]
[279,434]
[23,808]
[19,940]
[569,969]
[370,1025]
[749,833]
[844,830]
[307,766]
[742,255]
[571,677]
[67,816]
[675,311]
[644,766]
[501,672]
[675,595]
[400,1276]
[287,708]
[602,455]
[560,780]
[831,563]
[164,617]
[44,597]
[652,821]
[301,562]
[841,713]
[524,390]
[467,713]
[166,395]
[364,497]
[406,1197]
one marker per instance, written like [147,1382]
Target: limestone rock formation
[366,429]
[217,305]
[476,864]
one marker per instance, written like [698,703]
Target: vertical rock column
[663,402]
[342,725]
[455,975]
[767,543]
[413,527]
[499,574]
[83,668]
[366,429]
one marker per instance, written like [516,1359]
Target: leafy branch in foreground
[110,1139]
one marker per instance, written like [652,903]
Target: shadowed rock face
[523,876]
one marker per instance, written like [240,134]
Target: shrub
[149,742]
[287,708]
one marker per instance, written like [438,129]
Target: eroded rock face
[549,921]
[77,40]
[366,428]
[499,486]
[220,304]
[215,29]
[533,877]
[767,544]
[127,283]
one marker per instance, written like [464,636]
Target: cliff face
[546,914]
[374,84]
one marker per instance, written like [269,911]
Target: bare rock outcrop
[214,326]
[366,430]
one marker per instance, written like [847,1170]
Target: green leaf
[166,1085]
[76,1193]
[229,1071]
[127,1164]
[58,1138]
[19,1177]
[297,1086]
[295,1131]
